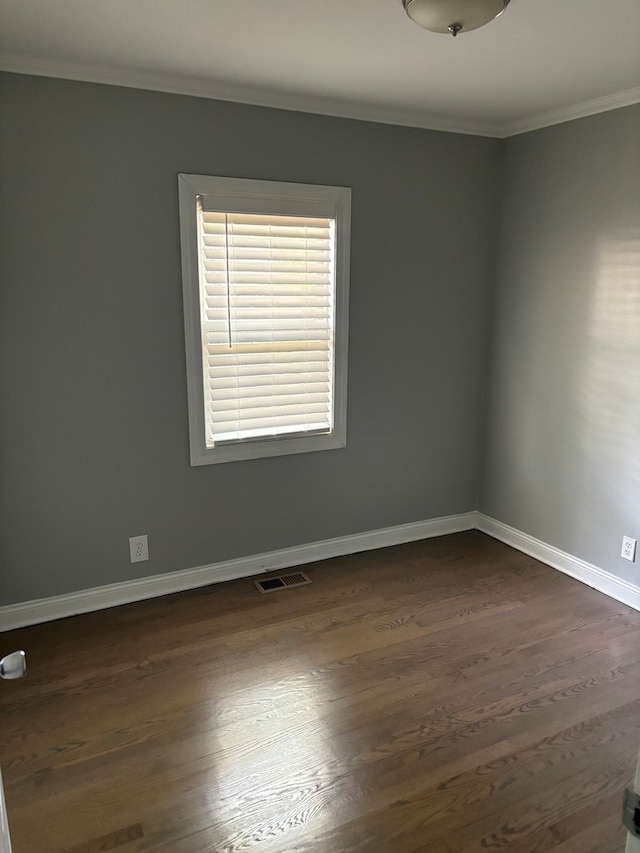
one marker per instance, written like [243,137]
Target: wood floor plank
[112,841]
[446,696]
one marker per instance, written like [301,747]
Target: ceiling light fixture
[453,16]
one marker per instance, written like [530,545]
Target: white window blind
[267,292]
[265,285]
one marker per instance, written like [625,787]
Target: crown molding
[316,105]
[215,90]
[587,108]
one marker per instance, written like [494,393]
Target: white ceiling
[541,62]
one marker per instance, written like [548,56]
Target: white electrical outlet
[138,548]
[628,548]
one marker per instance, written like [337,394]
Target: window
[265,285]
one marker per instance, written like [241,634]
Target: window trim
[253,196]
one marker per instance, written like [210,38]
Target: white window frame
[238,195]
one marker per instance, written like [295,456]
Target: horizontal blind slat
[285,352]
[273,287]
[255,418]
[225,400]
[247,310]
[252,364]
[246,383]
[271,432]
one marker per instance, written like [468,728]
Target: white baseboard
[98,598]
[86,600]
[586,572]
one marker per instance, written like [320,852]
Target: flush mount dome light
[453,16]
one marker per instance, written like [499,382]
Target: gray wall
[94,415]
[562,457]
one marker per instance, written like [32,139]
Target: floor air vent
[282,582]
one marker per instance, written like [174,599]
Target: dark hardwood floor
[447,696]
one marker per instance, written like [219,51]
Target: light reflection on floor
[274,756]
